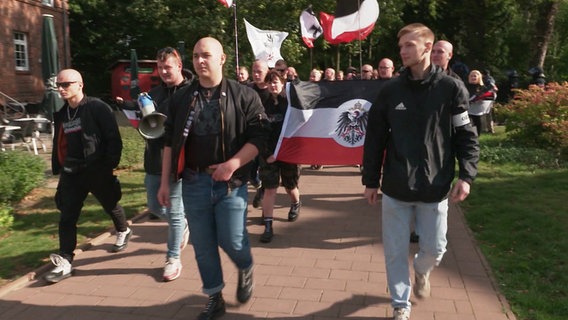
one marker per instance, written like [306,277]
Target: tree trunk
[544,30]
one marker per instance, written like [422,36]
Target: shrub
[539,117]
[19,173]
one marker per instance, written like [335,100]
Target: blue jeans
[174,215]
[217,217]
[432,225]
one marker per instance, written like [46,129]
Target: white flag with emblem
[265,43]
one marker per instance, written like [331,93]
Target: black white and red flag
[326,122]
[227,3]
[310,27]
[353,20]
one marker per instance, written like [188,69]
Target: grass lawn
[518,214]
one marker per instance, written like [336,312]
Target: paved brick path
[327,265]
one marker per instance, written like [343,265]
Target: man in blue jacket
[418,126]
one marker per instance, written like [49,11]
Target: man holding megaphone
[154,111]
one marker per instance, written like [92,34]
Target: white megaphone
[152,124]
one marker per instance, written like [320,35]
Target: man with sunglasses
[86,148]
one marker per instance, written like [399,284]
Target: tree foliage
[498,35]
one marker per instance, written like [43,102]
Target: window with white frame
[48,3]
[21,51]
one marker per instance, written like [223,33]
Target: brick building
[21,24]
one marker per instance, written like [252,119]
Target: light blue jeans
[432,225]
[174,215]
[217,217]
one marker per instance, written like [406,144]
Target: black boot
[414,238]
[244,288]
[294,211]
[215,308]
[266,237]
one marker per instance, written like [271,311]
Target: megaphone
[152,124]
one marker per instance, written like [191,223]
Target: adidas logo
[400,106]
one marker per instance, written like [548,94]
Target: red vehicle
[120,82]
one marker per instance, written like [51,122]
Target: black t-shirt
[73,131]
[204,142]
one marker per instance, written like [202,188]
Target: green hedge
[20,172]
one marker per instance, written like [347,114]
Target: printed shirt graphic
[73,133]
[326,122]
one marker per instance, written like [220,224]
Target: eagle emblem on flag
[352,124]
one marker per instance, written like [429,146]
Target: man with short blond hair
[417,128]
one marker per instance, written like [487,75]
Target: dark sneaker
[244,289]
[214,309]
[153,216]
[414,238]
[62,270]
[266,237]
[294,211]
[258,198]
[122,238]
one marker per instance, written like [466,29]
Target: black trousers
[72,191]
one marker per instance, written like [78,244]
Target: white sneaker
[422,285]
[61,271]
[172,270]
[401,314]
[122,238]
[185,237]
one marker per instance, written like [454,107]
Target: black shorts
[271,173]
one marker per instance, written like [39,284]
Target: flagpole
[360,48]
[236,39]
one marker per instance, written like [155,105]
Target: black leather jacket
[243,117]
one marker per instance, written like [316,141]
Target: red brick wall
[26,16]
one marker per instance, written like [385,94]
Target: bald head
[442,53]
[68,75]
[259,71]
[208,61]
[70,86]
[386,68]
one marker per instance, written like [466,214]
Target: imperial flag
[353,20]
[310,27]
[326,122]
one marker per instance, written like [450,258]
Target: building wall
[26,16]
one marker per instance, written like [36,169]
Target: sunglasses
[281,70]
[64,85]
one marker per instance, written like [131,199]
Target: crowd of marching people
[235,125]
